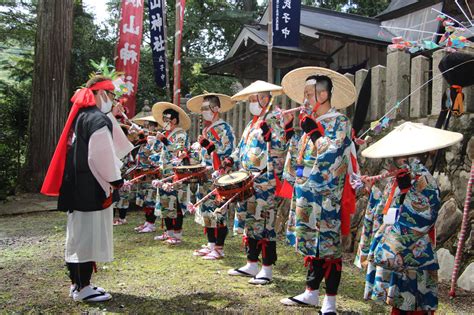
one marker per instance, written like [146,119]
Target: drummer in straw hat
[146,193]
[216,145]
[252,154]
[321,168]
[396,245]
[174,122]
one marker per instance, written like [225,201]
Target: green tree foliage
[360,7]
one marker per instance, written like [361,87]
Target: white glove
[151,140]
[216,174]
[157,183]
[191,208]
[127,185]
[196,146]
[168,187]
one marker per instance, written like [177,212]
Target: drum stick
[200,201]
[227,202]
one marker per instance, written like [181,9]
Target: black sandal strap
[243,272]
[263,278]
[297,301]
[92,296]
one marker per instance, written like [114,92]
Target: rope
[413,92]
[462,236]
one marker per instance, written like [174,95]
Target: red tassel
[329,263]
[216,162]
[285,191]
[205,231]
[308,261]
[94,266]
[263,242]
[348,205]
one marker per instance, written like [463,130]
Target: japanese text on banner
[286,22]
[158,40]
[128,48]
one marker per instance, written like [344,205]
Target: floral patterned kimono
[289,174]
[221,134]
[167,203]
[319,187]
[402,268]
[146,196]
[252,155]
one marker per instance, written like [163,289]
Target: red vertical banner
[128,49]
[180,4]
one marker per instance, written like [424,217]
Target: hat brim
[411,139]
[195,103]
[257,87]
[343,94]
[160,107]
[142,120]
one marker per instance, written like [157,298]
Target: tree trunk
[50,92]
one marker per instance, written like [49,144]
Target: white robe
[89,235]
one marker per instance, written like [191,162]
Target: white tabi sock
[265,272]
[329,304]
[309,296]
[250,267]
[211,246]
[178,235]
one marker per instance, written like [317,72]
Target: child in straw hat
[320,167]
[216,144]
[397,240]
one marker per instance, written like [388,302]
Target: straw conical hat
[141,120]
[257,87]
[160,107]
[194,104]
[343,93]
[410,139]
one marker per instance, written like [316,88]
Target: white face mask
[106,105]
[255,108]
[207,115]
[167,126]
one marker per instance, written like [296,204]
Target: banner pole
[177,52]
[270,42]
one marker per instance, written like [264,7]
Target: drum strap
[235,190]
[178,176]
[215,134]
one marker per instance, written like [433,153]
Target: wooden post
[270,42]
[377,95]
[398,82]
[420,67]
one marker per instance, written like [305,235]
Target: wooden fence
[389,84]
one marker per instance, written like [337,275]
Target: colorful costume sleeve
[370,224]
[223,138]
[330,167]
[289,170]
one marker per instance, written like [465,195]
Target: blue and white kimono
[222,135]
[319,186]
[402,268]
[252,155]
[167,203]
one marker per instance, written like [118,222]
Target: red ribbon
[263,242]
[245,241]
[308,261]
[329,263]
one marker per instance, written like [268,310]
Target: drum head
[232,178]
